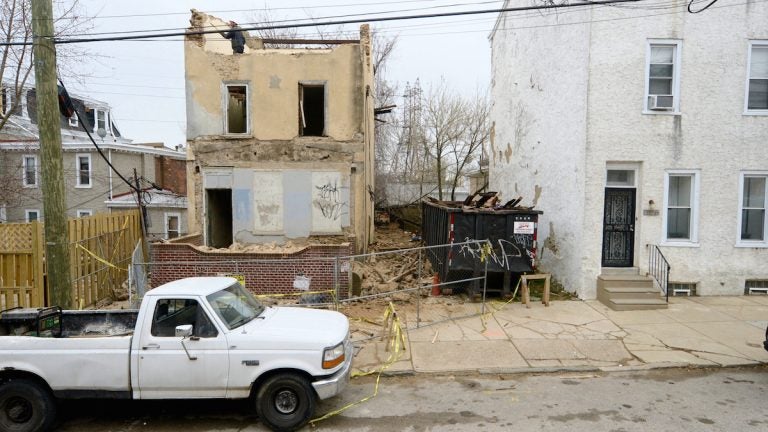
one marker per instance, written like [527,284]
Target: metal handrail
[658,268]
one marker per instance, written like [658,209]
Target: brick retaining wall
[265,273]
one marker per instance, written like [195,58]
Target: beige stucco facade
[274,179]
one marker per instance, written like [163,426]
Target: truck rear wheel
[285,402]
[25,406]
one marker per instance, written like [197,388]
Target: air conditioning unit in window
[661,102]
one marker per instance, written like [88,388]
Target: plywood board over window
[330,202]
[268,201]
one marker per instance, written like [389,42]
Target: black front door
[619,227]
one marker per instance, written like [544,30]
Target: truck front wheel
[285,402]
[25,406]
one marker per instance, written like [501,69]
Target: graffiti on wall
[330,202]
[500,253]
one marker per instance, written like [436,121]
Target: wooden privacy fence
[100,253]
[21,265]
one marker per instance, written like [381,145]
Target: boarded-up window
[312,110]
[268,202]
[237,109]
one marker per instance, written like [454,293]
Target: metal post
[418,294]
[485,282]
[336,282]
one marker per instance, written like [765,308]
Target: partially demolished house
[280,140]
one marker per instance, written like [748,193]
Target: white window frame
[24,171]
[27,213]
[248,117]
[678,44]
[622,167]
[166,217]
[747,111]
[84,212]
[751,243]
[103,112]
[695,194]
[78,183]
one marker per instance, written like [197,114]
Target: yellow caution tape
[484,317]
[100,259]
[332,292]
[397,345]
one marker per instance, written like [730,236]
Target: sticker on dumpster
[524,227]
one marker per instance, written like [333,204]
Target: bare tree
[16,60]
[16,68]
[444,127]
[440,137]
[466,150]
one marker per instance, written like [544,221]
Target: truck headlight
[333,356]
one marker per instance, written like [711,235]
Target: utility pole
[54,209]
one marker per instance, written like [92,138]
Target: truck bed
[86,323]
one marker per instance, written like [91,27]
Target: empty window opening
[172,224]
[312,110]
[237,110]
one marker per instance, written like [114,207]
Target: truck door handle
[151,346]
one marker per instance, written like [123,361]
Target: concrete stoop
[624,291]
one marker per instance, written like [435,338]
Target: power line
[311,19]
[331,23]
[272,9]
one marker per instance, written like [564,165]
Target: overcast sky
[143,81]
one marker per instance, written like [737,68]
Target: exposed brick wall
[265,273]
[171,174]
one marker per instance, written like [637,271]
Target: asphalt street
[697,399]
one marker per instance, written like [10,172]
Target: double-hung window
[757,78]
[753,197]
[681,207]
[84,171]
[662,84]
[29,171]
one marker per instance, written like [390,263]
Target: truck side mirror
[184,330]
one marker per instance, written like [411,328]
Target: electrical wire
[103,156]
[61,41]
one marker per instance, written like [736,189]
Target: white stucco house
[633,128]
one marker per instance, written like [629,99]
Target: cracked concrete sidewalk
[578,335]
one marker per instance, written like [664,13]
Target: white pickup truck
[204,337]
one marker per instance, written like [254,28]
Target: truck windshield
[235,305]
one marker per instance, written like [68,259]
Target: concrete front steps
[625,289]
